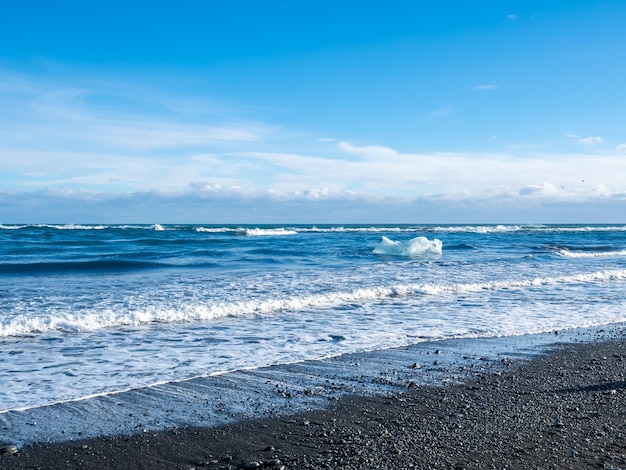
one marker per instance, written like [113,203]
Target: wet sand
[563,409]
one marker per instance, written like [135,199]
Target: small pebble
[10,449]
[252,465]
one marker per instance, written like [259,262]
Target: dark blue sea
[96,309]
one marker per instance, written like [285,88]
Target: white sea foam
[218,301]
[260,232]
[354,229]
[161,228]
[92,320]
[213,229]
[314,229]
[249,232]
[586,254]
[479,229]
[72,227]
[487,229]
[604,228]
[418,246]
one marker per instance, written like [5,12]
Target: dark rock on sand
[8,449]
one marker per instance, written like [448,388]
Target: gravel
[565,409]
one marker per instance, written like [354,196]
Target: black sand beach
[564,409]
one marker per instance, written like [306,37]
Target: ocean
[91,310]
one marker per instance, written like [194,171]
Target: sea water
[96,309]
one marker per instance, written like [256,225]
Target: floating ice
[419,246]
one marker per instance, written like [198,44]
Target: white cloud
[545,189]
[375,152]
[485,175]
[367,170]
[205,202]
[591,140]
[511,17]
[60,116]
[163,135]
[621,148]
[587,141]
[103,156]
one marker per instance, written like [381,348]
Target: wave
[214,229]
[75,266]
[574,251]
[249,232]
[92,319]
[80,227]
[419,246]
[260,232]
[341,229]
[567,253]
[56,227]
[155,227]
[603,228]
[487,229]
[479,229]
[314,229]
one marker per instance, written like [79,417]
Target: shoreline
[272,391]
[562,408]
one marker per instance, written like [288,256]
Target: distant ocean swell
[292,230]
[76,266]
[417,247]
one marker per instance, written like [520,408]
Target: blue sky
[313,112]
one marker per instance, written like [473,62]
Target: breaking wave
[479,229]
[586,254]
[91,319]
[260,232]
[419,246]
